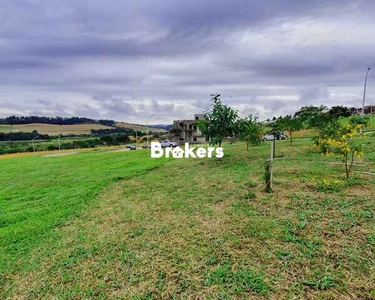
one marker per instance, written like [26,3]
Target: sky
[125,60]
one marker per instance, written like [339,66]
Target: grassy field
[51,129]
[124,226]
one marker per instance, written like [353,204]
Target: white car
[168,143]
[270,137]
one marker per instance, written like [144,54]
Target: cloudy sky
[125,60]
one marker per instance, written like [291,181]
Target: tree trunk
[291,138]
[348,169]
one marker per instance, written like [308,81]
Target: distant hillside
[139,127]
[162,126]
[53,130]
[18,120]
[70,126]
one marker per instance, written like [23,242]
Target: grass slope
[202,229]
[37,194]
[138,127]
[51,129]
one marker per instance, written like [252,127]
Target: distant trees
[114,139]
[22,136]
[14,120]
[339,111]
[311,116]
[111,131]
[220,122]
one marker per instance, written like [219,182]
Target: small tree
[339,142]
[340,111]
[220,122]
[290,124]
[250,130]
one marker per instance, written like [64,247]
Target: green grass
[38,194]
[189,228]
[5,128]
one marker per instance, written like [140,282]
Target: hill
[139,127]
[122,225]
[53,130]
[76,129]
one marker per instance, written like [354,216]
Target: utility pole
[59,143]
[271,162]
[33,142]
[364,95]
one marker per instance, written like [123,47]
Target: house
[369,109]
[187,131]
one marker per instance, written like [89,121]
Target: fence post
[271,163]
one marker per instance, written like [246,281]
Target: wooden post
[271,163]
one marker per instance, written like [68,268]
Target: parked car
[129,146]
[132,147]
[271,137]
[168,143]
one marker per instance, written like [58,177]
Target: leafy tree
[311,115]
[250,130]
[359,120]
[290,124]
[339,142]
[276,131]
[339,111]
[220,122]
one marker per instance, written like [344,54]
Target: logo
[157,151]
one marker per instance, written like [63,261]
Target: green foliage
[220,122]
[250,130]
[312,115]
[337,140]
[339,111]
[359,120]
[330,185]
[290,124]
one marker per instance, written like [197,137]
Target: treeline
[23,136]
[112,131]
[15,120]
[11,146]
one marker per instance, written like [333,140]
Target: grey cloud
[127,59]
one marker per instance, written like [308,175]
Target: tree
[339,142]
[218,123]
[339,111]
[276,131]
[311,115]
[290,124]
[250,130]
